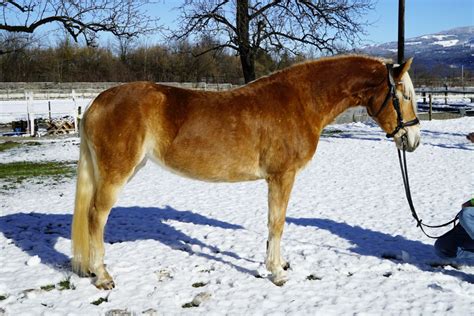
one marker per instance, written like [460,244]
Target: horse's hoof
[280,279]
[105,285]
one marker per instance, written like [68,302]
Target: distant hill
[443,52]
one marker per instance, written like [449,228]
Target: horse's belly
[213,165]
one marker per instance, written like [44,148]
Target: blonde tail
[85,188]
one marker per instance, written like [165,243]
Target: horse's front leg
[279,189]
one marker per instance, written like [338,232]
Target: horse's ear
[400,70]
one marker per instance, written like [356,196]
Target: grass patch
[199,284]
[99,301]
[8,187]
[11,145]
[65,285]
[61,286]
[189,305]
[15,173]
[8,145]
[48,287]
[313,277]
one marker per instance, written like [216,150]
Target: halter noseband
[396,105]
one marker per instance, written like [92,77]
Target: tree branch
[78,18]
[218,47]
[258,12]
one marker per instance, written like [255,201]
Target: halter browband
[396,104]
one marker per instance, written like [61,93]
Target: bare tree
[247,26]
[81,19]
[13,43]
[124,45]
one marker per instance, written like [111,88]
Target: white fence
[30,109]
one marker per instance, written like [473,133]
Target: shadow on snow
[373,243]
[37,233]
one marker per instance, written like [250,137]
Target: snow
[447,43]
[172,242]
[33,261]
[438,37]
[413,43]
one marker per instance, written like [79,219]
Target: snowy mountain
[446,49]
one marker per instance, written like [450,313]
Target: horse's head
[394,108]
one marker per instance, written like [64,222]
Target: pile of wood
[60,126]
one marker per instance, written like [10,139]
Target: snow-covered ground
[350,239]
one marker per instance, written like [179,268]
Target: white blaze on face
[412,132]
[409,91]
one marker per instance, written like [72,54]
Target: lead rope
[406,184]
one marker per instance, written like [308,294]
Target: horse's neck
[339,88]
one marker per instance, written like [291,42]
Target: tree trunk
[248,66]
[247,54]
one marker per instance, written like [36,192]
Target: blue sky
[421,17]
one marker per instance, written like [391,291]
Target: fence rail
[50,90]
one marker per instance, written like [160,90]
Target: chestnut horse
[267,129]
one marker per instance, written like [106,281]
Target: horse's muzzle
[408,138]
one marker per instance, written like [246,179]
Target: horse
[268,129]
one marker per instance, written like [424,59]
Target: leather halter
[396,105]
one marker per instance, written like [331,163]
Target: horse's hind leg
[109,185]
[279,189]
[105,197]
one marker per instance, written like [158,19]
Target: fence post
[424,97]
[446,93]
[27,112]
[49,110]
[78,120]
[76,128]
[430,110]
[30,114]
